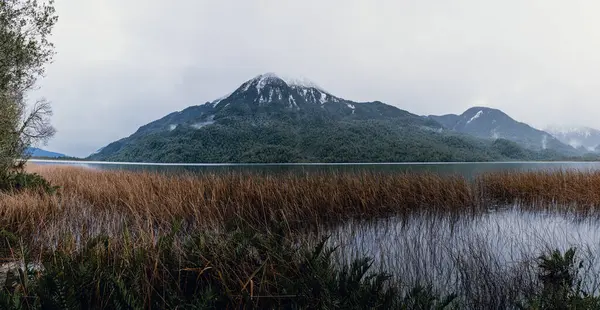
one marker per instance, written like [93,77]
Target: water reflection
[453,252]
[466,169]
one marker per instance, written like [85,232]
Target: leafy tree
[25,27]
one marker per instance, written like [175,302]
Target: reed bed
[91,202]
[247,235]
[575,190]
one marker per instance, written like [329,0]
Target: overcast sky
[124,63]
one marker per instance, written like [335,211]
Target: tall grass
[246,237]
[578,189]
[91,202]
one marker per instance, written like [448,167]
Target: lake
[466,169]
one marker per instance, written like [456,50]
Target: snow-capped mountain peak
[296,82]
[264,79]
[303,82]
[270,87]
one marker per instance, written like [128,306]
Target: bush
[560,284]
[18,181]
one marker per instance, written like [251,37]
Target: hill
[37,152]
[494,124]
[273,119]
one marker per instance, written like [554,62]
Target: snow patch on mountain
[247,85]
[323,98]
[292,102]
[216,102]
[312,95]
[351,106]
[262,99]
[476,116]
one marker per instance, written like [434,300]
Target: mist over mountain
[584,138]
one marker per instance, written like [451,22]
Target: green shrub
[561,286]
[17,181]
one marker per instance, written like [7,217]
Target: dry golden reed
[143,205]
[539,189]
[215,198]
[91,202]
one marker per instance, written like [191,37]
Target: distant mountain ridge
[273,119]
[489,123]
[585,138]
[37,152]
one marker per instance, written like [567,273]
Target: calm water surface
[466,169]
[449,252]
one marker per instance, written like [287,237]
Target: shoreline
[303,164]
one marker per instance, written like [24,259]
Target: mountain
[273,119]
[36,152]
[577,137]
[269,96]
[493,124]
[448,121]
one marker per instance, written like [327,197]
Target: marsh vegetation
[110,239]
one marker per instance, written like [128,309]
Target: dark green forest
[248,141]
